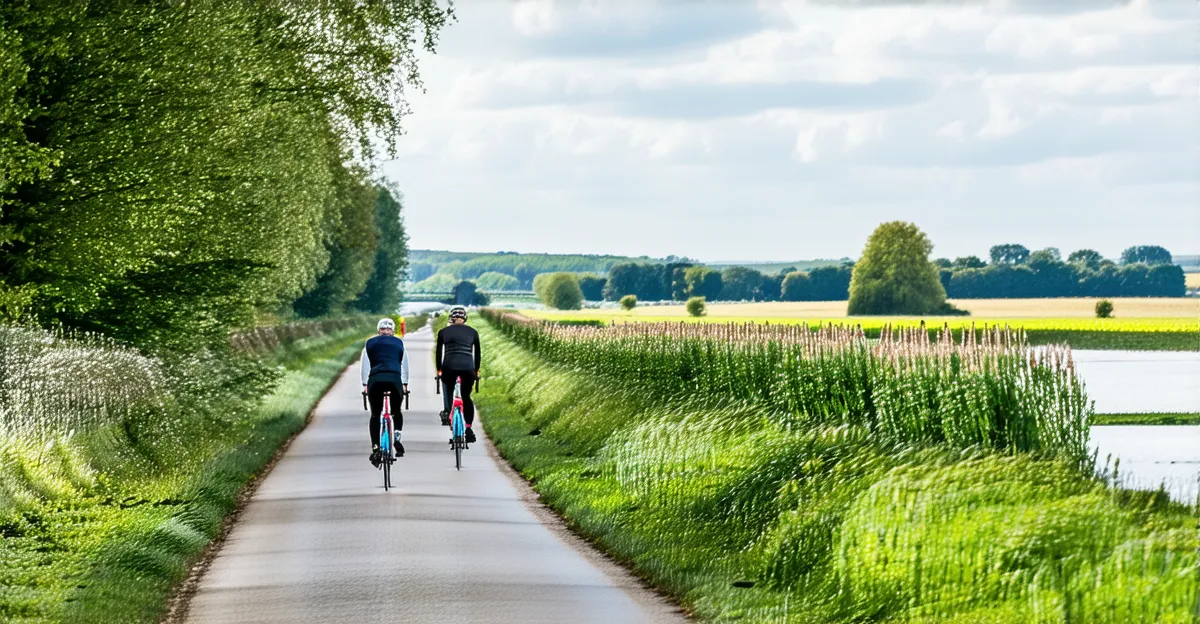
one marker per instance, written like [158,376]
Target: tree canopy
[172,170]
[895,275]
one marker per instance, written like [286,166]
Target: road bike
[458,425]
[387,436]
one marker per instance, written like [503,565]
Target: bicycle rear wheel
[457,429]
[389,452]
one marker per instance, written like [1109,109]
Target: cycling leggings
[375,390]
[468,384]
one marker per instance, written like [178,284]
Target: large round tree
[894,275]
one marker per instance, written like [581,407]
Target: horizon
[1176,257]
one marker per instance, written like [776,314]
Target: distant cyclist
[457,355]
[384,368]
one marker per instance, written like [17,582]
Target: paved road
[322,542]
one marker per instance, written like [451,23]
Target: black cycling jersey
[457,348]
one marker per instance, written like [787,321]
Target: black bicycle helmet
[458,312]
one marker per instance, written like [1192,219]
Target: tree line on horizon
[1012,272]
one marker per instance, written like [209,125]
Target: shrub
[696,306]
[628,302]
[559,290]
[1104,308]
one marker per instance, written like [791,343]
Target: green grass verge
[113,551]
[743,520]
[1147,419]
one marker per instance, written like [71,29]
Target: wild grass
[119,468]
[747,512]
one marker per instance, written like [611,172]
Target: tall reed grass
[990,389]
[816,478]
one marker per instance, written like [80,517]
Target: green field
[751,499]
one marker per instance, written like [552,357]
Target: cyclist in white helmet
[384,367]
[457,355]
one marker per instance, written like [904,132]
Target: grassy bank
[747,515]
[1147,419]
[98,526]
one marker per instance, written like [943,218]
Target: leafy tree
[675,276]
[466,294]
[1009,254]
[142,144]
[351,244]
[419,271]
[492,280]
[1087,258]
[525,274]
[647,281]
[1167,280]
[831,283]
[894,275]
[438,283]
[559,290]
[592,286]
[771,288]
[696,306]
[1104,308]
[1146,254]
[382,291]
[797,286]
[943,263]
[740,283]
[968,262]
[703,282]
[628,302]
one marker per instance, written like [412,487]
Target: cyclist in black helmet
[457,355]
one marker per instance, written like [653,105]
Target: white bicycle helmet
[386,323]
[458,312]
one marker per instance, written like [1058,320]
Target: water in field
[1153,455]
[1135,382]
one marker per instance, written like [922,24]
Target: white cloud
[709,120]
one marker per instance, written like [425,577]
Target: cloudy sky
[786,130]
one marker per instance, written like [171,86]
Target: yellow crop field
[1130,315]
[1177,307]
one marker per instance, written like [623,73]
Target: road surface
[320,541]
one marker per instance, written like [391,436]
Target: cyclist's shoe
[399,447]
[445,418]
[376,456]
[470,436]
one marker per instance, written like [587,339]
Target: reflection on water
[1152,455]
[1134,382]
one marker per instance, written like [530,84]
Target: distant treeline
[1012,271]
[522,266]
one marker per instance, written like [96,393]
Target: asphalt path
[321,541]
